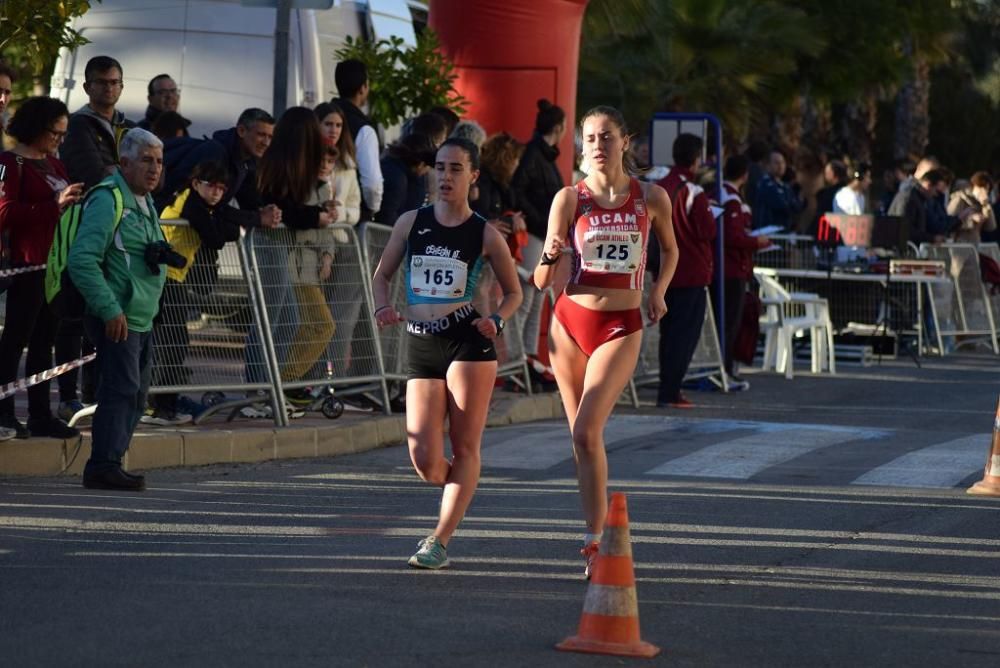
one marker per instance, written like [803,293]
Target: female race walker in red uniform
[452,359]
[605,221]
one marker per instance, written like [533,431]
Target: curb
[168,448]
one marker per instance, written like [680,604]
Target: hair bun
[544,104]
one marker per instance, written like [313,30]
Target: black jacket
[216,225]
[535,183]
[824,204]
[355,118]
[915,215]
[91,145]
[402,190]
[494,199]
[151,115]
[182,154]
[294,214]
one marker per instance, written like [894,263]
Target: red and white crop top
[609,245]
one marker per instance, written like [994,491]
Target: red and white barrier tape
[48,374]
[4,273]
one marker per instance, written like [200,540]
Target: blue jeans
[279,298]
[124,372]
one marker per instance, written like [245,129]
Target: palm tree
[840,86]
[723,57]
[929,34]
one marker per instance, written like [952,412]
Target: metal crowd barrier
[992,251]
[392,340]
[864,306]
[510,349]
[788,251]
[705,363]
[961,308]
[263,316]
[316,292]
[204,327]
[511,360]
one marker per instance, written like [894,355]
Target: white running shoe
[264,411]
[164,418]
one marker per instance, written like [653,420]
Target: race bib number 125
[614,253]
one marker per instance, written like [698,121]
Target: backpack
[62,296]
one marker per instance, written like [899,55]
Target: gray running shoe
[431,554]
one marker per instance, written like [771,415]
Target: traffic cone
[610,620]
[990,484]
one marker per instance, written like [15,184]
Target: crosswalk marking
[940,465]
[547,446]
[742,458]
[740,450]
[537,450]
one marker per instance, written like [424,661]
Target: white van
[221,53]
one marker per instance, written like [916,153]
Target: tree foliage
[405,81]
[720,56]
[787,71]
[33,31]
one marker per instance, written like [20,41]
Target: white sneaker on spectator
[7,434]
[264,411]
[164,418]
[736,384]
[358,403]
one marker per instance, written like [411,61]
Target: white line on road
[546,446]
[742,458]
[940,465]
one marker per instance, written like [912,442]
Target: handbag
[990,271]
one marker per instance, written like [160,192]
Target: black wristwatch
[499,322]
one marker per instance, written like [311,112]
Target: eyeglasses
[212,185]
[107,83]
[56,134]
[167,91]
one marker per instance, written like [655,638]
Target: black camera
[160,252]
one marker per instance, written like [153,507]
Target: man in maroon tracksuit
[694,227]
[739,250]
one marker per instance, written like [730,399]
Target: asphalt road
[816,522]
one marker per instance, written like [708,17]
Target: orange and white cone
[610,620]
[990,484]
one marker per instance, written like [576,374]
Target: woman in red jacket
[739,250]
[34,189]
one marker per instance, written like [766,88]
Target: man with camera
[117,270]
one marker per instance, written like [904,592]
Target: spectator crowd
[313,168]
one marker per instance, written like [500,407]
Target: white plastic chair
[785,315]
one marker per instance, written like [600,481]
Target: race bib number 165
[438,277]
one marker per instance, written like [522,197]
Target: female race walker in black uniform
[605,221]
[452,360]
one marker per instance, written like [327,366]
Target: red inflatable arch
[510,53]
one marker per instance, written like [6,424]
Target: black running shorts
[434,345]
